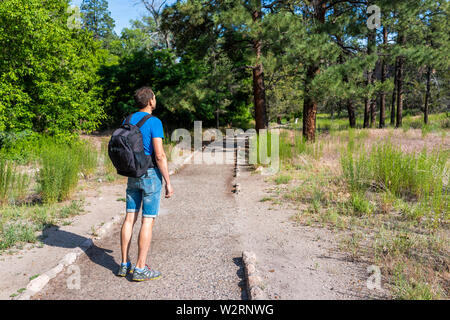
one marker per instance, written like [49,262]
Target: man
[145,190]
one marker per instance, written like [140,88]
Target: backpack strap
[143,120]
[128,119]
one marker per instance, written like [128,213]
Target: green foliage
[47,71]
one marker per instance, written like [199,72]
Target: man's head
[144,97]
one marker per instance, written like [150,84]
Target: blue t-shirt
[152,128]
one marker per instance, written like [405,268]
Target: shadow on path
[241,274]
[54,236]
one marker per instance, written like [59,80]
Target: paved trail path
[195,246]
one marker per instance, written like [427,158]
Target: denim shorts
[146,189]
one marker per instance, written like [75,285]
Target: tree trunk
[351,113]
[400,79]
[394,93]
[259,91]
[427,96]
[373,104]
[366,112]
[383,80]
[259,97]
[309,101]
[369,108]
[309,106]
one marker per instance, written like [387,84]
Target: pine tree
[97,18]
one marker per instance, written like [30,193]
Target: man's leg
[126,234]
[145,238]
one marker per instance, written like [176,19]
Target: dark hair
[142,96]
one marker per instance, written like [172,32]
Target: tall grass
[58,175]
[301,146]
[419,175]
[61,164]
[108,167]
[13,185]
[88,156]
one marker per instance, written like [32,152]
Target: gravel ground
[195,246]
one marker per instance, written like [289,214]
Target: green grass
[58,175]
[88,157]
[108,168]
[326,123]
[283,179]
[34,277]
[408,288]
[61,165]
[418,175]
[13,185]
[436,122]
[359,205]
[19,224]
[16,232]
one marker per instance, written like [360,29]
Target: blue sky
[122,11]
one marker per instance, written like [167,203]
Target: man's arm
[161,161]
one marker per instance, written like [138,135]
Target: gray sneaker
[124,269]
[146,274]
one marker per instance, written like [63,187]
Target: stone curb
[253,281]
[37,284]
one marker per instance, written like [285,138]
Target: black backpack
[126,149]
